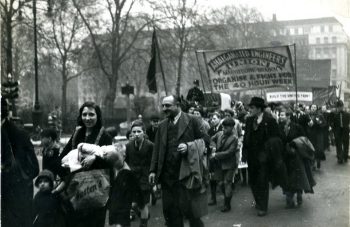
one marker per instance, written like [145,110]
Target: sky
[293,9]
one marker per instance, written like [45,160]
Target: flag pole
[208,72]
[200,72]
[160,63]
[295,74]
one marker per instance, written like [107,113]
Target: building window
[318,51]
[318,40]
[287,31]
[330,28]
[326,50]
[322,28]
[300,31]
[334,72]
[325,39]
[334,39]
[334,50]
[306,30]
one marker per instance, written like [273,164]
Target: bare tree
[122,31]
[9,9]
[65,37]
[239,27]
[180,20]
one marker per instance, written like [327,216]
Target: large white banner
[249,69]
[288,96]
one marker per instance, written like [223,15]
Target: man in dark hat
[340,121]
[260,127]
[195,94]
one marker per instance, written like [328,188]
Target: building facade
[326,39]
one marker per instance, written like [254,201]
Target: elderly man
[172,146]
[260,127]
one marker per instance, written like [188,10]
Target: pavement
[328,206]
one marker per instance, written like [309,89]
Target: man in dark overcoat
[340,121]
[260,127]
[19,166]
[173,135]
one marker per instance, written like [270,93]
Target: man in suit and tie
[340,126]
[170,147]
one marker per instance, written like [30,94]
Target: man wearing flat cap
[260,127]
[195,94]
[340,121]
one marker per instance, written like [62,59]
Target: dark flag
[154,65]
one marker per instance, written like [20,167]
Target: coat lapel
[163,131]
[183,123]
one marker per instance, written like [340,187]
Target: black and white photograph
[175,113]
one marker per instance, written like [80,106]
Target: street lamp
[37,113]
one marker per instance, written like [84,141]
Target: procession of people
[187,153]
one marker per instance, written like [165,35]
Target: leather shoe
[290,205]
[225,209]
[212,203]
[261,213]
[340,161]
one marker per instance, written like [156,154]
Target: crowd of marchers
[187,153]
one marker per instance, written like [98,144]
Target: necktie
[286,129]
[255,123]
[341,120]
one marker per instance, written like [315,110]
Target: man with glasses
[173,139]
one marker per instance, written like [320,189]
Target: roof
[310,21]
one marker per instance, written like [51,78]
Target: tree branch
[99,56]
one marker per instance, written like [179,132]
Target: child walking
[47,205]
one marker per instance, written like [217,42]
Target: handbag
[88,189]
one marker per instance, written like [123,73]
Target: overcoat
[226,149]
[139,161]
[189,129]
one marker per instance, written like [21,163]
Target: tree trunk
[9,44]
[64,95]
[179,75]
[110,97]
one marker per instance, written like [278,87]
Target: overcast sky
[293,9]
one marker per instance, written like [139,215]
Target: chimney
[274,18]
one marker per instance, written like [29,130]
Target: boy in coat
[224,146]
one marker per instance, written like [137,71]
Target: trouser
[226,180]
[173,215]
[290,196]
[342,144]
[258,180]
[213,184]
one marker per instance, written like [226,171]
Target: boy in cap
[51,150]
[152,129]
[47,205]
[224,146]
